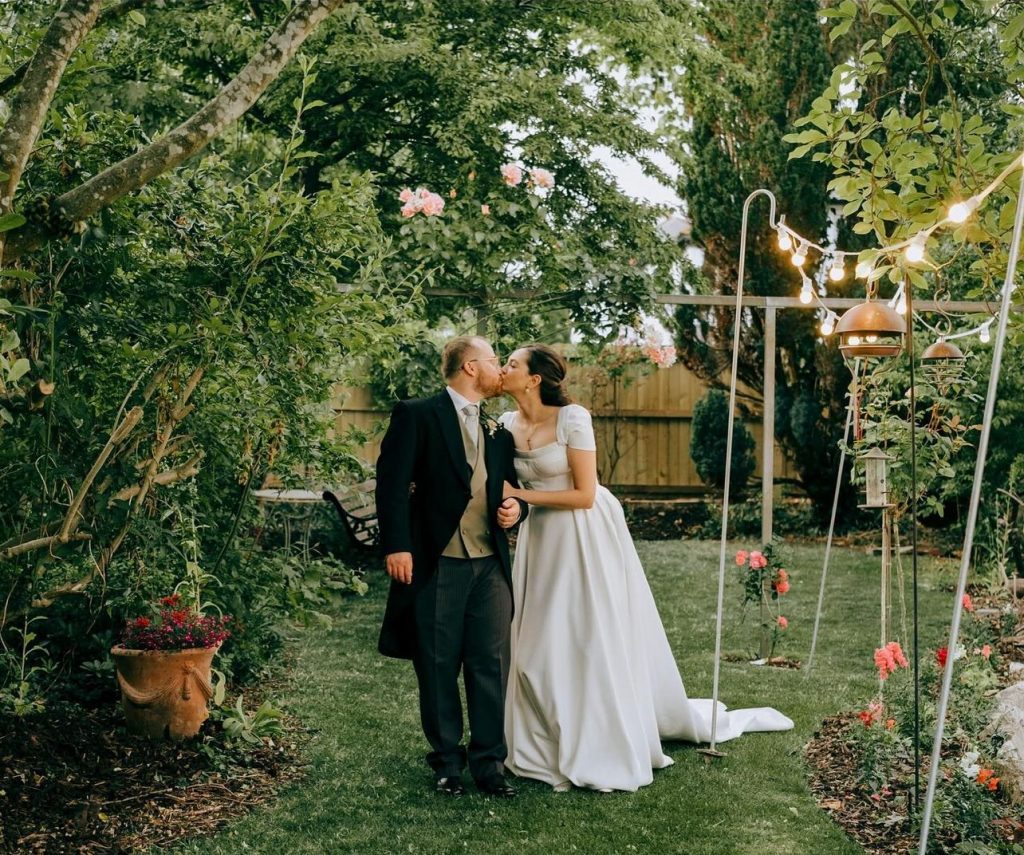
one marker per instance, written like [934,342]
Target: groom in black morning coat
[439,505]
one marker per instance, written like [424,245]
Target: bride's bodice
[547,467]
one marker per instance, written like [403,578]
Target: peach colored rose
[485,210]
[511,174]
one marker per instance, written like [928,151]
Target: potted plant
[164,669]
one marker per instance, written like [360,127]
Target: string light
[915,249]
[806,294]
[864,269]
[785,241]
[838,270]
[959,212]
[800,256]
[828,326]
[984,336]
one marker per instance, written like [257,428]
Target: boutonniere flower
[491,424]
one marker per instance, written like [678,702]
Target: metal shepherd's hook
[711,751]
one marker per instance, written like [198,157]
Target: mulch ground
[73,780]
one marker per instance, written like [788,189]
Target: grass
[367,789]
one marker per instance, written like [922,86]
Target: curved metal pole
[972,514]
[737,324]
[832,520]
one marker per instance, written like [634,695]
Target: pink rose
[782,587]
[423,192]
[968,605]
[757,560]
[409,209]
[485,210]
[986,650]
[432,205]
[542,178]
[782,622]
[405,195]
[741,558]
[511,174]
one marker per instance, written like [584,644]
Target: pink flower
[511,174]
[782,587]
[542,178]
[757,560]
[432,205]
[888,659]
[741,558]
[662,356]
[941,655]
[409,209]
[968,605]
[782,622]
[485,210]
[986,650]
[405,195]
[423,192]
[897,654]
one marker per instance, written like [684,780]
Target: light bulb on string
[960,211]
[837,271]
[828,326]
[984,336]
[785,241]
[800,256]
[806,295]
[915,249]
[863,269]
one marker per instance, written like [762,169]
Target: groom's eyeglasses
[495,359]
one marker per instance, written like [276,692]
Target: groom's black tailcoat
[422,491]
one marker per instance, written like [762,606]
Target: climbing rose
[405,195]
[757,560]
[512,174]
[542,178]
[783,623]
[741,558]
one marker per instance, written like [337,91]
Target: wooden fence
[642,426]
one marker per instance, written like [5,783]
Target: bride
[593,686]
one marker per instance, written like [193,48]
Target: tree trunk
[191,136]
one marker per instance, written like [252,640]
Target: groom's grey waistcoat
[472,539]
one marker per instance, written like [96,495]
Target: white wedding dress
[593,687]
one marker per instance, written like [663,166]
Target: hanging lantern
[871,329]
[876,484]
[943,363]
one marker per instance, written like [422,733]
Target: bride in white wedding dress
[593,687]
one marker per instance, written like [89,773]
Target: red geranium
[941,655]
[175,629]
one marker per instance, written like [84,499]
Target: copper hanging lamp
[871,328]
[943,363]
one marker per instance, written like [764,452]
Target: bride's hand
[508,491]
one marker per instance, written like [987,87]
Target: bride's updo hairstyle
[552,367]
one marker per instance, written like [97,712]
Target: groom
[440,510]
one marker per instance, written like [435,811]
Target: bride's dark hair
[552,367]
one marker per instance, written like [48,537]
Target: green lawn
[368,788]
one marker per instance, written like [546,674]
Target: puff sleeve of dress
[575,428]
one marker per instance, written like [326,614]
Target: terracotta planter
[164,693]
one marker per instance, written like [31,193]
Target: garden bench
[356,505]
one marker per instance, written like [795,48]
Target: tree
[762,67]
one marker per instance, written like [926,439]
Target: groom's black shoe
[449,785]
[495,785]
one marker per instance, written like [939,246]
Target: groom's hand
[399,566]
[508,513]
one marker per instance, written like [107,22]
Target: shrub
[709,432]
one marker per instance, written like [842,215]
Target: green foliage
[252,729]
[759,69]
[25,670]
[709,438]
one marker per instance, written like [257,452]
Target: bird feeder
[876,479]
[943,363]
[871,329]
